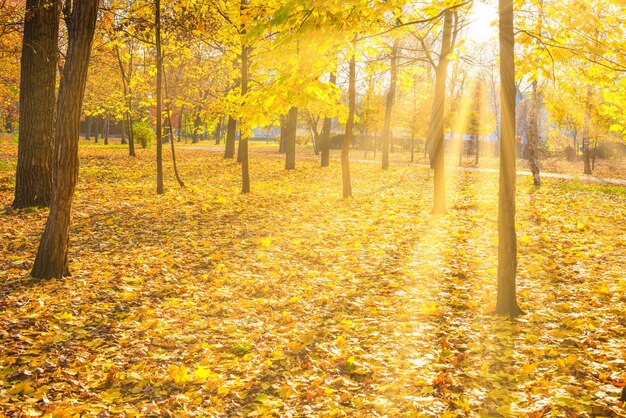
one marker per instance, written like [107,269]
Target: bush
[143,134]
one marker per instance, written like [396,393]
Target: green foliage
[143,133]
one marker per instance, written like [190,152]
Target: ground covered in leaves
[292,301]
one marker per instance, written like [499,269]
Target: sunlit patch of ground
[293,301]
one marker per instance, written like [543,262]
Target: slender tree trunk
[345,148]
[436,135]
[97,123]
[231,133]
[123,126]
[325,137]
[586,150]
[171,128]
[159,98]
[533,135]
[461,149]
[290,139]
[243,133]
[391,97]
[412,145]
[129,100]
[106,129]
[33,180]
[507,241]
[477,145]
[89,123]
[282,145]
[180,123]
[52,255]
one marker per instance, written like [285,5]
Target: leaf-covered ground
[291,301]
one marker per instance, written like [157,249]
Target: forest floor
[290,301]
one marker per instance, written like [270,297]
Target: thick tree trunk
[52,255]
[436,134]
[391,97]
[290,139]
[325,136]
[159,98]
[33,180]
[231,133]
[533,135]
[345,148]
[586,134]
[243,133]
[507,241]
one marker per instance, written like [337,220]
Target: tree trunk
[123,126]
[33,179]
[282,145]
[586,150]
[507,241]
[391,97]
[171,129]
[52,255]
[231,133]
[129,100]
[159,98]
[436,134]
[243,133]
[533,135]
[89,123]
[291,126]
[345,148]
[97,123]
[107,122]
[325,137]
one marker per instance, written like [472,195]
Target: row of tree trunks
[33,182]
[52,255]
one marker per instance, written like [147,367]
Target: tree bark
[391,97]
[436,134]
[507,241]
[159,96]
[52,255]
[33,180]
[345,148]
[231,133]
[107,122]
[171,133]
[129,101]
[533,135]
[325,136]
[586,135]
[243,133]
[291,126]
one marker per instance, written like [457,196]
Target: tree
[159,92]
[345,148]
[507,241]
[325,136]
[436,131]
[52,255]
[391,97]
[291,126]
[33,180]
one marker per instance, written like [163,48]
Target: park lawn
[293,301]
